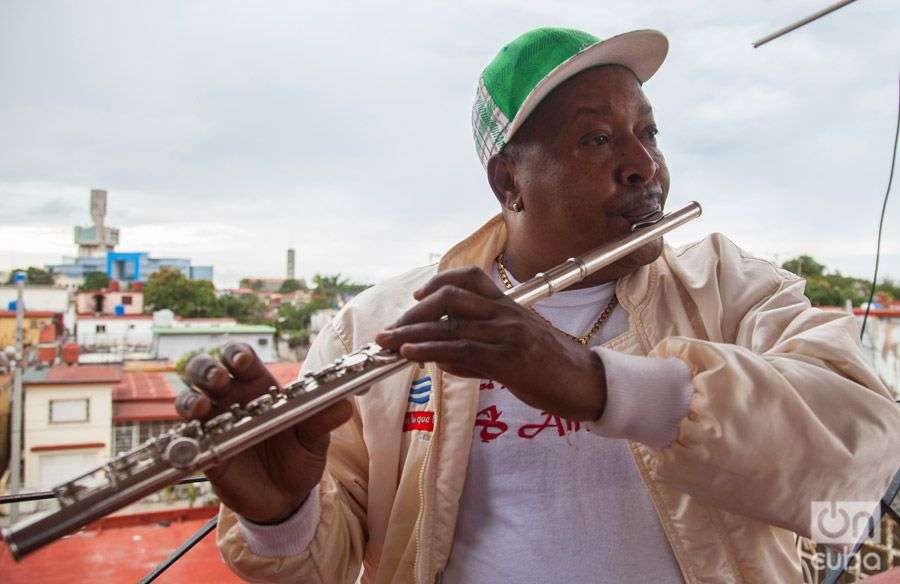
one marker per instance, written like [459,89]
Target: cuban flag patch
[420,392]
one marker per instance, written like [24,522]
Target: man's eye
[597,140]
[652,132]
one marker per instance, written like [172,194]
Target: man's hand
[489,336]
[269,481]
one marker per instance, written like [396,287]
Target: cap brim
[642,51]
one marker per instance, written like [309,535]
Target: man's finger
[452,300]
[472,279]
[442,330]
[465,353]
[244,364]
[207,374]
[192,405]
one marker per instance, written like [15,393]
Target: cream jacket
[785,411]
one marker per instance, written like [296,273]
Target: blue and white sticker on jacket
[420,391]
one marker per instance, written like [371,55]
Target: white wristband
[288,538]
[646,398]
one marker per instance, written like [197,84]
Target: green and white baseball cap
[526,70]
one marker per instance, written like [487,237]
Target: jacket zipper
[420,568]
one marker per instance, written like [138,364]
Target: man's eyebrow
[605,110]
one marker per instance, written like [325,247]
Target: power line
[802,22]
[887,192]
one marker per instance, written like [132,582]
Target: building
[291,263]
[35,320]
[112,338]
[174,342]
[98,239]
[114,300]
[128,267]
[107,333]
[144,403]
[67,422]
[44,298]
[144,407]
[96,253]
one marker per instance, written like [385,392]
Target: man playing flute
[669,419]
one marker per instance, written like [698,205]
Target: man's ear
[501,176]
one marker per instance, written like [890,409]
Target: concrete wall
[173,347]
[33,327]
[37,298]
[85,302]
[40,432]
[137,332]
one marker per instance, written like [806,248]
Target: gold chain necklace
[582,340]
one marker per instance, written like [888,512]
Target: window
[129,435]
[69,410]
[126,300]
[262,342]
[100,328]
[124,437]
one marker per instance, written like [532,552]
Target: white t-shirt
[545,499]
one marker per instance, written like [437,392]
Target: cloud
[226,132]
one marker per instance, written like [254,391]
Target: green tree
[34,276]
[169,288]
[832,289]
[244,309]
[215,353]
[289,285]
[291,317]
[805,266]
[330,288]
[95,281]
[252,284]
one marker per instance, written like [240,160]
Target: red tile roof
[124,553]
[879,312]
[284,372]
[144,385]
[95,316]
[63,375]
[144,411]
[29,313]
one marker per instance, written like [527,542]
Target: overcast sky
[227,132]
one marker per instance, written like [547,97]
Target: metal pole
[182,549]
[15,465]
[802,22]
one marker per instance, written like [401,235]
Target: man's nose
[637,166]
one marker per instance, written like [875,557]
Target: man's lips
[642,213]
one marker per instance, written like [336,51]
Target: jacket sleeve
[786,412]
[335,552]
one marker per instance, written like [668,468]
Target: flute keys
[259,405]
[182,453]
[219,424]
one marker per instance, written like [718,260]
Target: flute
[196,446]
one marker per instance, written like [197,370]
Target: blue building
[130,266]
